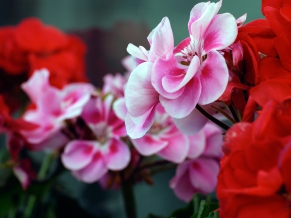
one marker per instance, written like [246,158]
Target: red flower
[255,172]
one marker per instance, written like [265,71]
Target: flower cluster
[169,110]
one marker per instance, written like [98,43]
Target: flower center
[102,132]
[186,55]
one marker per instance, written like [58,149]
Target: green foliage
[199,207]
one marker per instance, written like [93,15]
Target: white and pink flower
[196,73]
[53,106]
[90,160]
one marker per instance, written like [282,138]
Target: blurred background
[107,27]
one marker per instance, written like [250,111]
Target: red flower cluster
[255,180]
[31,45]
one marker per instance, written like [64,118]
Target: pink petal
[46,105]
[78,154]
[120,109]
[149,145]
[173,83]
[117,156]
[196,13]
[139,129]
[192,123]
[75,96]
[183,105]
[136,52]
[177,148]
[181,184]
[48,126]
[106,106]
[214,141]
[197,145]
[36,84]
[167,67]
[213,77]
[93,171]
[221,32]
[140,95]
[90,113]
[161,40]
[203,174]
[199,26]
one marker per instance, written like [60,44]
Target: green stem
[45,166]
[29,206]
[129,199]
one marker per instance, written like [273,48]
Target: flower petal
[149,145]
[221,32]
[117,156]
[140,95]
[167,68]
[78,154]
[214,78]
[177,148]
[161,40]
[173,83]
[197,145]
[94,171]
[138,129]
[192,123]
[203,174]
[183,105]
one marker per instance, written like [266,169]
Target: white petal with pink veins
[140,95]
[120,109]
[199,26]
[221,32]
[136,52]
[94,171]
[161,40]
[36,84]
[117,156]
[148,145]
[213,77]
[78,154]
[139,130]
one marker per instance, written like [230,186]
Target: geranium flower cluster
[169,110]
[30,46]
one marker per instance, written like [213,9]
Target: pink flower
[114,84]
[90,160]
[199,173]
[163,139]
[53,106]
[140,96]
[197,72]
